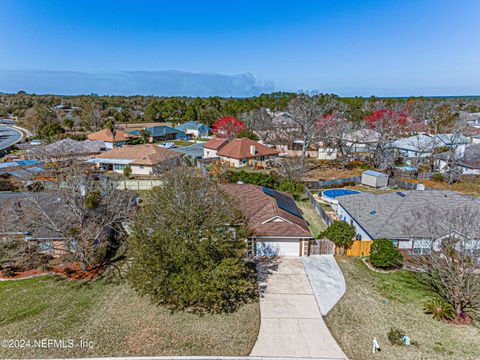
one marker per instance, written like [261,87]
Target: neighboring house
[468,163]
[194,129]
[244,151]
[357,142]
[211,147]
[422,146]
[148,159]
[109,139]
[160,133]
[374,179]
[47,235]
[275,222]
[194,150]
[395,215]
[476,139]
[67,148]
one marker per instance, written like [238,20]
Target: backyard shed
[374,179]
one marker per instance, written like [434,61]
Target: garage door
[278,247]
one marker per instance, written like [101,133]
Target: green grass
[374,303]
[314,220]
[117,321]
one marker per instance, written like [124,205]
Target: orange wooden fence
[358,248]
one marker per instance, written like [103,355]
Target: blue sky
[240,48]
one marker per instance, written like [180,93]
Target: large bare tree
[450,260]
[307,113]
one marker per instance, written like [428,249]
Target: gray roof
[402,215]
[426,143]
[68,147]
[374,173]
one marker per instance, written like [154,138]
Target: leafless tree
[92,116]
[307,113]
[85,212]
[451,262]
[260,121]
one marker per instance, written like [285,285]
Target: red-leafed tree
[228,127]
[389,125]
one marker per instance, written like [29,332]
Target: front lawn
[116,320]
[374,303]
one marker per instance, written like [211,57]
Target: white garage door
[278,247]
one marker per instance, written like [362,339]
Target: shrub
[383,254]
[9,272]
[341,233]
[440,309]
[437,177]
[395,336]
[92,199]
[127,171]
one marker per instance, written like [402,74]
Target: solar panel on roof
[399,193]
[284,202]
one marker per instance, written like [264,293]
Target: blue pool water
[334,193]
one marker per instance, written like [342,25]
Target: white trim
[277,217]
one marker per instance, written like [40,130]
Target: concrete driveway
[291,322]
[326,280]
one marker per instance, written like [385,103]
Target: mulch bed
[71,271]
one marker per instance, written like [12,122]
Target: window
[358,237]
[141,166]
[45,246]
[262,158]
[422,247]
[118,167]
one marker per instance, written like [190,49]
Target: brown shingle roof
[261,210]
[215,143]
[240,149]
[106,135]
[149,154]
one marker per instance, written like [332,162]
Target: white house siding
[344,215]
[441,164]
[327,154]
[209,153]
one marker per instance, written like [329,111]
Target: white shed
[374,179]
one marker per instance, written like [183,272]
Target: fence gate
[358,248]
[322,247]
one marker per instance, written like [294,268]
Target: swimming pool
[331,195]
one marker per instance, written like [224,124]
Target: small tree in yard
[383,254]
[341,233]
[187,247]
[127,171]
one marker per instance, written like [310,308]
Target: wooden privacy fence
[358,248]
[322,247]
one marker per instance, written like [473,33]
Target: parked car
[168,145]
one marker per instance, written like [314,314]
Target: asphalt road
[8,136]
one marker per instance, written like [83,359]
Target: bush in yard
[384,255]
[440,309]
[341,233]
[185,254]
[127,171]
[437,177]
[395,336]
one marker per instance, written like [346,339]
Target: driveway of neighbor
[326,279]
[291,322]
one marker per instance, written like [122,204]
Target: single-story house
[421,146]
[148,159]
[276,224]
[468,163]
[359,142]
[109,139]
[476,139]
[243,152]
[403,216]
[194,129]
[160,133]
[374,179]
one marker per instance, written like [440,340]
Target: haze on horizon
[351,48]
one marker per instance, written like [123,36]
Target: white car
[168,145]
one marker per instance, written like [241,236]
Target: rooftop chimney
[252,149]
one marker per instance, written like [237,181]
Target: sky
[241,48]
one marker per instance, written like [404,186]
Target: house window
[422,247]
[244,161]
[45,246]
[118,167]
[262,158]
[358,237]
[141,166]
